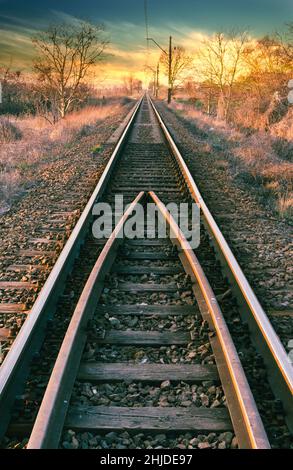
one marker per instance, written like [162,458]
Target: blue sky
[125,23]
[261,15]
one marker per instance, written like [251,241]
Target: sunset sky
[187,20]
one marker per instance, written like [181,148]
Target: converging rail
[15,368]
[277,362]
[149,283]
[243,411]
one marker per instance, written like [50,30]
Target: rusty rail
[50,419]
[279,367]
[14,369]
[244,414]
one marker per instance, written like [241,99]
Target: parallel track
[145,272]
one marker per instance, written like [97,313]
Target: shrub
[126,100]
[283,148]
[260,160]
[8,131]
[97,149]
[85,131]
[285,206]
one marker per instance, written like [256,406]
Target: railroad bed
[127,345]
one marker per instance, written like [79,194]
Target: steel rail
[51,417]
[15,367]
[244,414]
[49,423]
[32,334]
[279,367]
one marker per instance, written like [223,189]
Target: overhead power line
[146,16]
[146,21]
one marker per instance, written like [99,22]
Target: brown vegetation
[181,62]
[66,53]
[239,96]
[131,85]
[243,81]
[221,59]
[39,142]
[260,159]
[235,86]
[8,131]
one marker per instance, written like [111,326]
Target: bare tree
[286,41]
[128,81]
[66,54]
[221,57]
[132,84]
[180,63]
[17,91]
[266,56]
[137,86]
[7,74]
[267,67]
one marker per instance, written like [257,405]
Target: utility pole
[155,78]
[169,58]
[158,83]
[170,71]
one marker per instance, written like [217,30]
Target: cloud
[16,47]
[63,17]
[127,52]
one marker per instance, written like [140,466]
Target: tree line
[231,71]
[65,58]
[227,71]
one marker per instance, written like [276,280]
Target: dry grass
[262,158]
[222,164]
[39,141]
[8,131]
[284,128]
[285,206]
[73,124]
[204,121]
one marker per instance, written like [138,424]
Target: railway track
[127,336]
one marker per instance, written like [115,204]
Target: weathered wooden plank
[136,287]
[163,270]
[150,181]
[281,313]
[146,242]
[60,205]
[64,213]
[12,308]
[148,419]
[150,256]
[139,177]
[145,338]
[53,230]
[159,310]
[97,241]
[192,373]
[30,253]
[59,221]
[154,184]
[4,334]
[17,285]
[26,267]
[44,241]
[146,187]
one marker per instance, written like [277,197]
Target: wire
[146,21]
[147,35]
